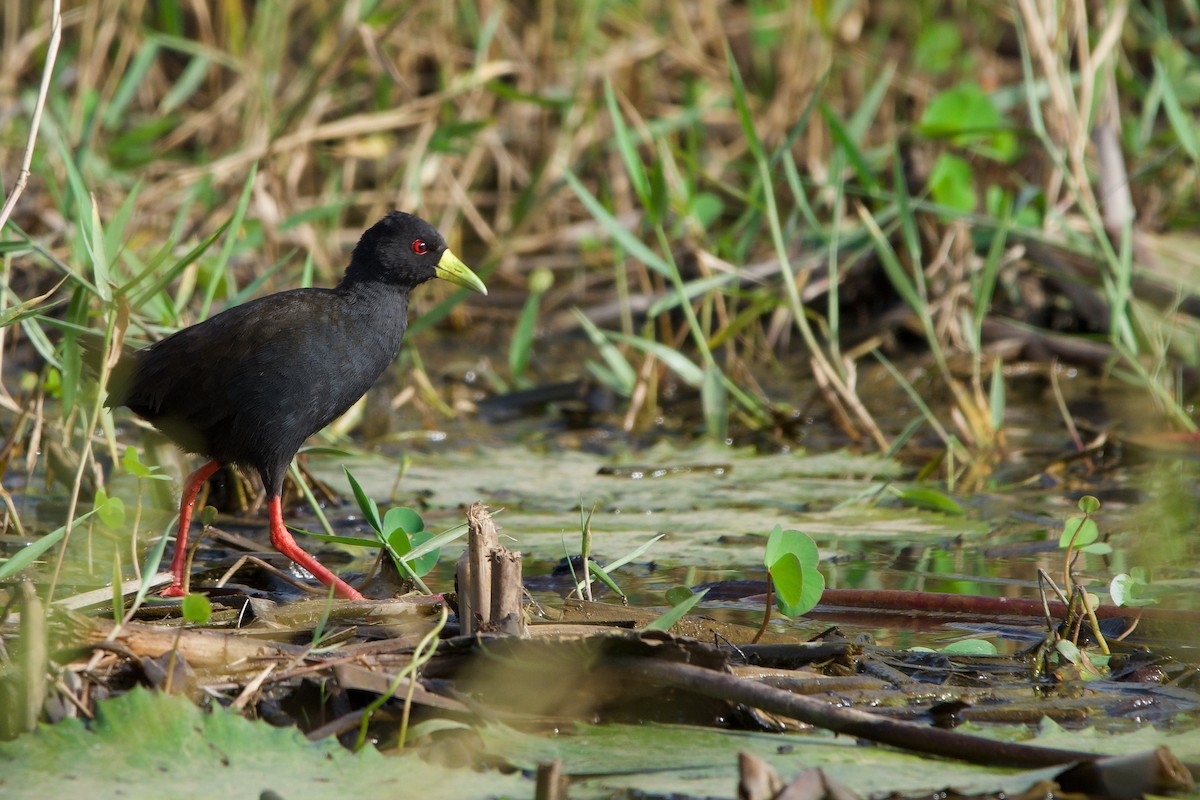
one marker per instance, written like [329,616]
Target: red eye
[419,247]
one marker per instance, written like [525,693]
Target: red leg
[284,543]
[187,503]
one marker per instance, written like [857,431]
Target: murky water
[714,504]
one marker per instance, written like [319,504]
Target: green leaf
[965,108]
[613,227]
[399,540]
[350,541]
[706,208]
[660,196]
[1182,120]
[678,594]
[788,574]
[1129,590]
[196,608]
[95,245]
[626,146]
[970,647]
[28,308]
[150,744]
[745,115]
[952,183]
[184,86]
[618,368]
[791,557]
[938,47]
[402,518]
[932,499]
[134,77]
[27,555]
[233,227]
[118,596]
[111,510]
[404,530]
[132,463]
[676,361]
[368,506]
[436,542]
[789,541]
[715,401]
[423,564]
[677,612]
[1067,650]
[843,138]
[164,277]
[997,396]
[395,541]
[603,575]
[1078,532]
[1088,504]
[521,347]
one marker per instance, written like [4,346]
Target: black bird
[250,384]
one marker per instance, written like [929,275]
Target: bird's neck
[364,287]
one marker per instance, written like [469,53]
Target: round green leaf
[1122,588]
[788,574]
[952,183]
[1078,532]
[938,47]
[1067,650]
[677,594]
[404,519]
[196,609]
[400,527]
[970,647]
[421,566]
[111,510]
[791,558]
[706,207]
[133,464]
[798,543]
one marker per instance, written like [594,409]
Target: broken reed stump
[490,592]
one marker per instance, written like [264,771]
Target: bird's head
[405,250]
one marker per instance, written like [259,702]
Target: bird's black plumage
[249,385]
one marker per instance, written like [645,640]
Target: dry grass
[469,117]
[473,113]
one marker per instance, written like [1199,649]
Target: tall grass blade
[627,147]
[715,401]
[620,370]
[233,226]
[632,244]
[676,361]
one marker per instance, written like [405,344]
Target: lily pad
[144,744]
[714,505]
[677,760]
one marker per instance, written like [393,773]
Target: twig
[36,121]
[905,735]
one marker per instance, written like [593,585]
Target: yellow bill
[450,268]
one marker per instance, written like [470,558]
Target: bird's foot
[174,590]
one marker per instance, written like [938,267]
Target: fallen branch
[904,735]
